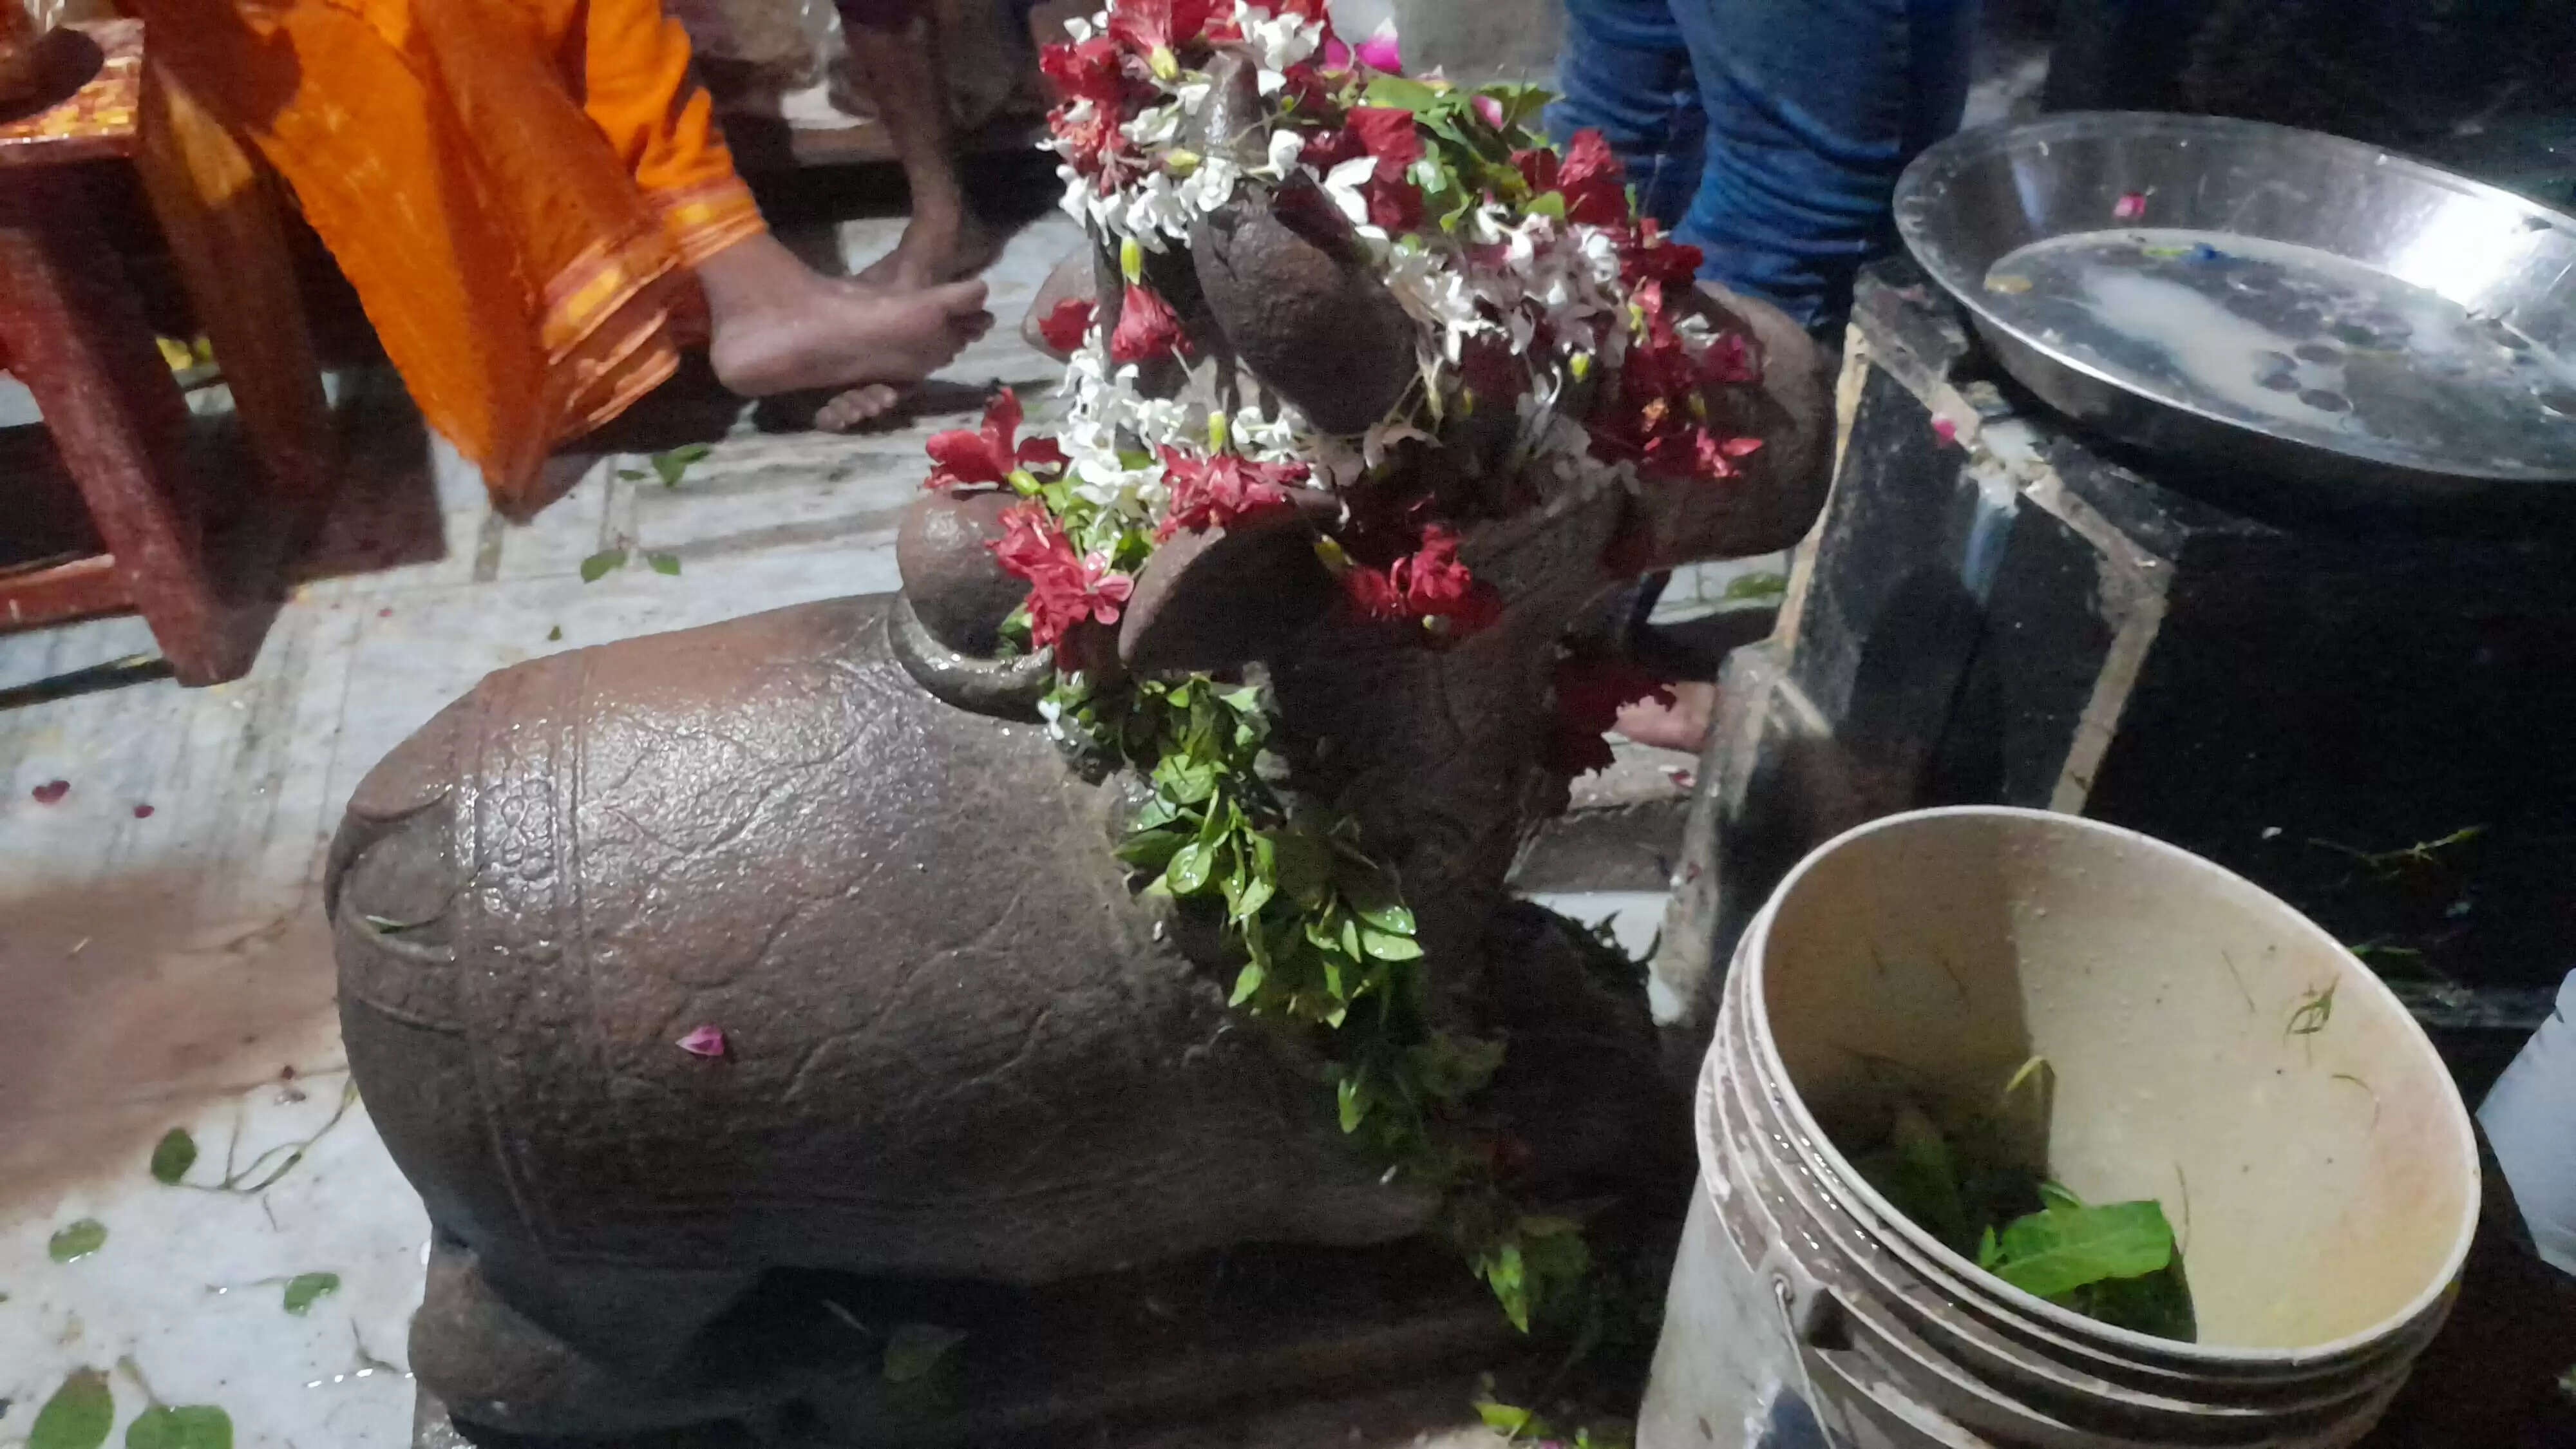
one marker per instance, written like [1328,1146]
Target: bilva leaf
[304,1288]
[1390,918]
[1386,947]
[1188,872]
[914,1349]
[664,563]
[182,1426]
[173,1155]
[77,1241]
[1247,983]
[78,1416]
[597,566]
[1400,93]
[2060,1249]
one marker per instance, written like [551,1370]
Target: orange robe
[517,189]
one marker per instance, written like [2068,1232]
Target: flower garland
[1531,286]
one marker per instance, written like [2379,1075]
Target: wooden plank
[67,591]
[219,214]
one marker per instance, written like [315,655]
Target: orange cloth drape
[516,188]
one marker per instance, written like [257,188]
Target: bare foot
[932,252]
[1681,725]
[778,326]
[857,408]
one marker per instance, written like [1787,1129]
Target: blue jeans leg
[1626,73]
[1814,107]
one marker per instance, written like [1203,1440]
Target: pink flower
[1716,456]
[1213,492]
[960,457]
[1379,51]
[1491,110]
[1067,323]
[1588,173]
[704,1041]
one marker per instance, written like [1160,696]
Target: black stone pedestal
[1997,609]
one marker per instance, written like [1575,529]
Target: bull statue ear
[1217,598]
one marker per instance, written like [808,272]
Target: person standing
[1769,133]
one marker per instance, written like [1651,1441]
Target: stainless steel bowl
[2406,335]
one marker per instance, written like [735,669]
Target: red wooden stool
[73,332]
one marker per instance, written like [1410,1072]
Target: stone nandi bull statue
[795,942]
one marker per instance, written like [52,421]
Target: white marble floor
[167,967]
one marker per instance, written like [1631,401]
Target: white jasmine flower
[1212,184]
[1277,41]
[1155,127]
[1343,185]
[1285,147]
[1434,294]
[1380,440]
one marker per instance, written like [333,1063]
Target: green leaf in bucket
[173,1155]
[77,1241]
[304,1288]
[183,1426]
[78,1416]
[2061,1248]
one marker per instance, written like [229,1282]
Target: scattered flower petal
[2130,206]
[704,1041]
[51,791]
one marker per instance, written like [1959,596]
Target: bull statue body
[958,1046]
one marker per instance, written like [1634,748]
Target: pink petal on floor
[142,812]
[705,1041]
[2130,206]
[1946,430]
[51,791]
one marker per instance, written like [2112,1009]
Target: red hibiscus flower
[1731,360]
[1066,324]
[1157,29]
[1587,174]
[1091,71]
[961,457]
[1648,254]
[1590,691]
[1094,146]
[1387,133]
[1429,583]
[1065,589]
[1213,492]
[1061,598]
[1147,327]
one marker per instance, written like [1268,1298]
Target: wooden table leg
[219,214]
[77,339]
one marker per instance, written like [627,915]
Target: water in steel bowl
[2297,342]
